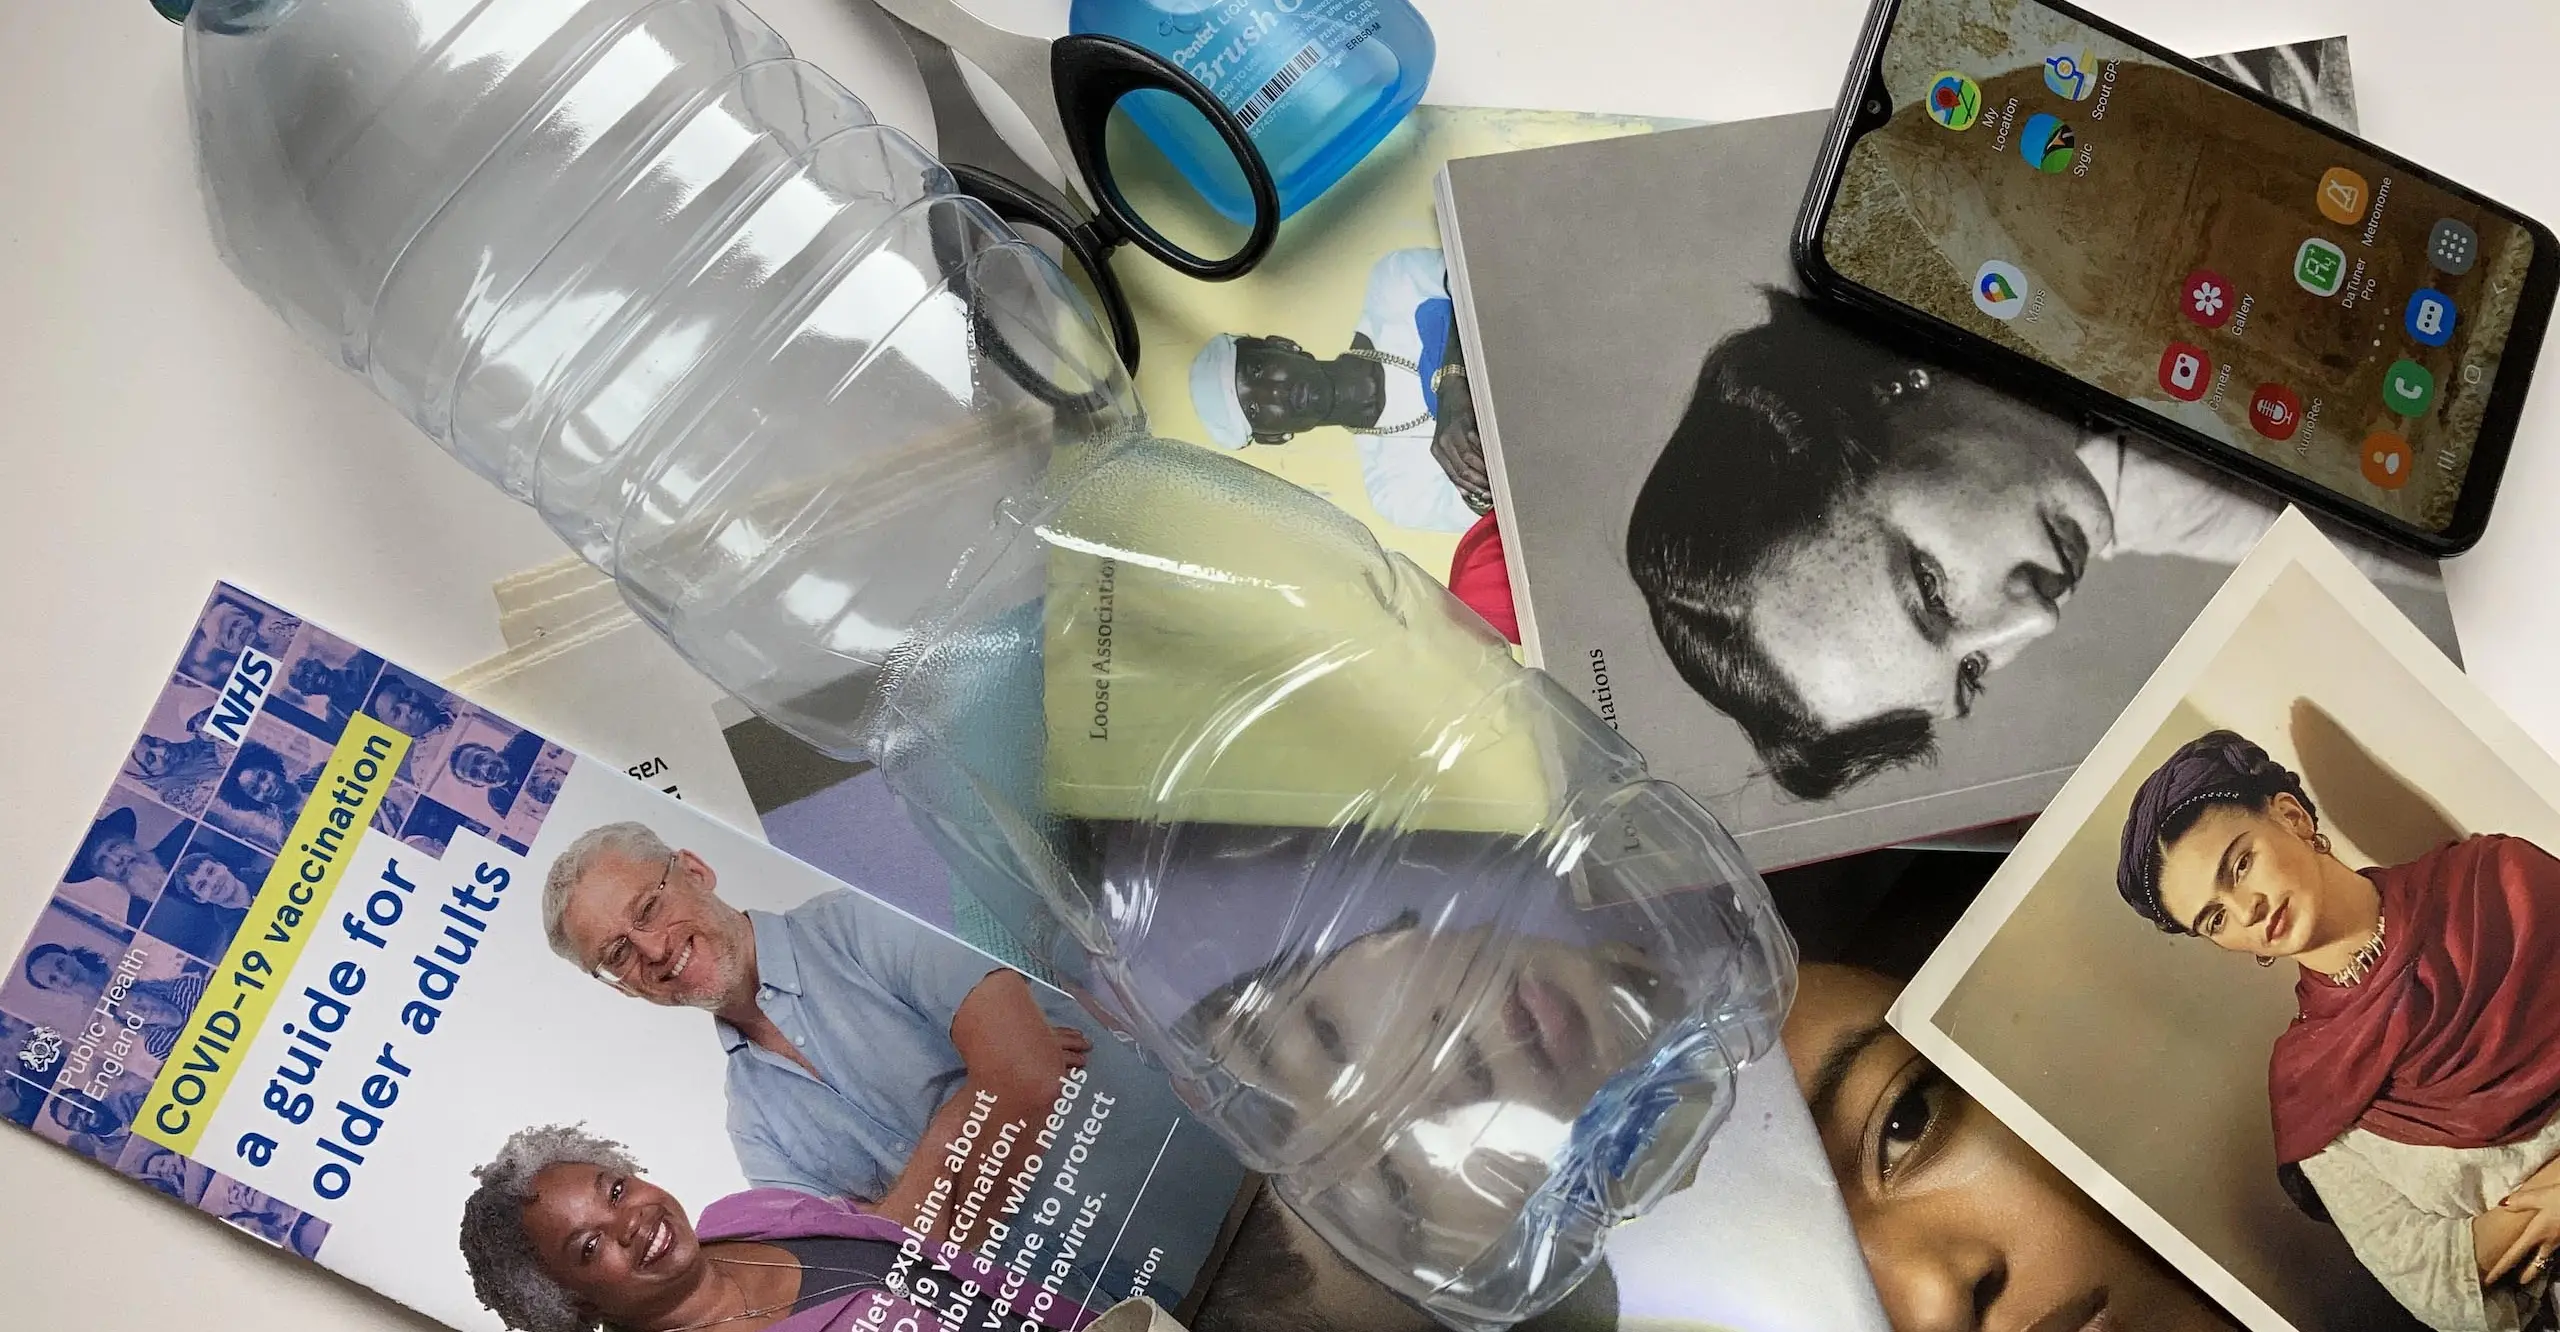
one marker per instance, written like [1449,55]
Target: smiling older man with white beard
[854,1034]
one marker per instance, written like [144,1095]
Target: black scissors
[1067,88]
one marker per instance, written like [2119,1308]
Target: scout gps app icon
[2071,71]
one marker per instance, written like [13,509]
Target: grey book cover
[1837,639]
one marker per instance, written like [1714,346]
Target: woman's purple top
[767,1216]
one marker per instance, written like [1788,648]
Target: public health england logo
[43,1050]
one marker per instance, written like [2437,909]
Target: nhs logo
[228,719]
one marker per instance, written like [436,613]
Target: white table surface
[158,428]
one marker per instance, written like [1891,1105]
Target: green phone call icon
[2407,388]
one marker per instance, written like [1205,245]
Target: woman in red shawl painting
[2416,1087]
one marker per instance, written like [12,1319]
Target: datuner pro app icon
[2320,267]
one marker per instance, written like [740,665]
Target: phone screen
[2149,232]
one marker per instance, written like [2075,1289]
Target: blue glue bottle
[1317,83]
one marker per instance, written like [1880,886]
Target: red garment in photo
[1480,577]
[2454,1039]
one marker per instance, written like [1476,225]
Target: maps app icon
[2071,71]
[2000,289]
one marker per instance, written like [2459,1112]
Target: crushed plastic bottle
[1405,924]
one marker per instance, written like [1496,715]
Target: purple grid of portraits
[167,870]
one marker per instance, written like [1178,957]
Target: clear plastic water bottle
[1317,83]
[1408,928]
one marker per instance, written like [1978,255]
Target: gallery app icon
[2429,317]
[2453,246]
[2386,460]
[2000,289]
[2071,71]
[2185,371]
[2275,411]
[2047,144]
[2320,267]
[2408,388]
[1954,100]
[2206,298]
[2343,195]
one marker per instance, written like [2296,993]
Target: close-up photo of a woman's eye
[1912,1118]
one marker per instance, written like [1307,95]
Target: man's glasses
[613,961]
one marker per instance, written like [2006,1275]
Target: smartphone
[2063,207]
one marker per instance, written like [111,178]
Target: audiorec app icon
[2205,297]
[2185,372]
[2000,289]
[2275,411]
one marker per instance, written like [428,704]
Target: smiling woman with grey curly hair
[564,1236]
[505,1272]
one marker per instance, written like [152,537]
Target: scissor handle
[1092,73]
[1020,206]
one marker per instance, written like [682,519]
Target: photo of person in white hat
[1386,389]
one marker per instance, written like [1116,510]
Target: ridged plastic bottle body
[1318,83]
[1405,922]
[1220,764]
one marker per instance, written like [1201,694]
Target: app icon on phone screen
[2320,267]
[2429,318]
[2275,411]
[2047,144]
[2343,195]
[2205,297]
[2386,460]
[2071,71]
[2000,289]
[2408,388]
[2185,371]
[1954,100]
[2453,246]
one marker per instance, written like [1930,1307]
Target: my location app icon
[1954,100]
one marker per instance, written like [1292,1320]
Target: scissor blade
[1017,64]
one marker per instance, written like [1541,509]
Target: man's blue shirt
[868,996]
